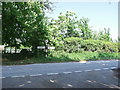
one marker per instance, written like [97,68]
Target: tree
[11,28]
[24,23]
[68,24]
[85,31]
[104,35]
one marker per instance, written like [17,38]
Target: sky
[101,14]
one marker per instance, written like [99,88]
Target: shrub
[92,45]
[72,44]
[110,46]
[75,44]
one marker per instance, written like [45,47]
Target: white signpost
[43,47]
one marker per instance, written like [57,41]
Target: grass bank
[63,57]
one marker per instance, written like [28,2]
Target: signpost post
[46,47]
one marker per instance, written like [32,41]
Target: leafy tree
[85,31]
[55,37]
[11,28]
[103,35]
[25,23]
[66,24]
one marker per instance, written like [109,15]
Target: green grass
[58,56]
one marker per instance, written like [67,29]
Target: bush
[72,44]
[110,46]
[75,44]
[92,45]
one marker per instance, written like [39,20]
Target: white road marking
[21,85]
[67,72]
[36,75]
[78,71]
[28,81]
[52,81]
[17,76]
[69,85]
[105,68]
[52,73]
[87,70]
[63,72]
[97,69]
[89,81]
[2,77]
[113,67]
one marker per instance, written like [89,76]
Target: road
[92,74]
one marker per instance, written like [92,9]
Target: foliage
[24,23]
[75,44]
[85,31]
[92,45]
[102,35]
[110,46]
[68,25]
[72,44]
[64,57]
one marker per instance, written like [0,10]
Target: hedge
[75,44]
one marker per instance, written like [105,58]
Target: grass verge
[63,57]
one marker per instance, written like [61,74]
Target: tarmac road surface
[92,74]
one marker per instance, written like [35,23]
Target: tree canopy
[25,23]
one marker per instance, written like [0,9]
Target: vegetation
[75,44]
[25,24]
[63,57]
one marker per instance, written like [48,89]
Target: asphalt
[93,74]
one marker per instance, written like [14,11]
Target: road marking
[52,81]
[21,85]
[105,68]
[28,81]
[2,77]
[52,73]
[97,69]
[69,85]
[17,76]
[87,70]
[67,72]
[36,75]
[113,67]
[78,71]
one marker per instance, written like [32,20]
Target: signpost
[46,49]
